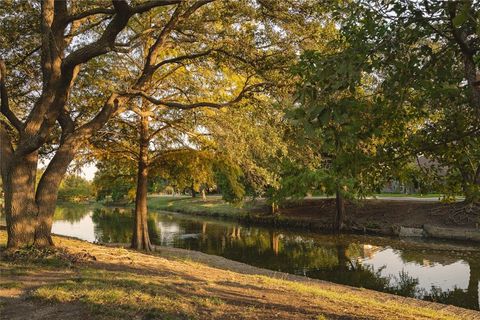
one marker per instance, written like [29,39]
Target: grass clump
[48,257]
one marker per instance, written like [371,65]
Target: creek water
[437,271]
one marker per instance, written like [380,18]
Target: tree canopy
[259,98]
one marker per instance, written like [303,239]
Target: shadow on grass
[103,290]
[124,295]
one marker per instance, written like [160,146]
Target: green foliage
[335,118]
[114,179]
[382,94]
[228,177]
[184,169]
[425,73]
[75,189]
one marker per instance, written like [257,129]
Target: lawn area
[213,205]
[405,195]
[80,280]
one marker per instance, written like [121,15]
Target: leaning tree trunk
[141,239]
[340,211]
[20,208]
[47,190]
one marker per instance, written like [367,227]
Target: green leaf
[462,16]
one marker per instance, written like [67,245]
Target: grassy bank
[406,195]
[80,280]
[374,216]
[213,206]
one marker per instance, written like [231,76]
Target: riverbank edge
[427,231]
[226,265]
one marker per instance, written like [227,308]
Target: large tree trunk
[29,214]
[340,212]
[141,239]
[20,207]
[47,191]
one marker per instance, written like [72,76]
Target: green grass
[406,195]
[114,295]
[213,206]
[362,301]
[126,294]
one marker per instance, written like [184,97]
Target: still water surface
[435,271]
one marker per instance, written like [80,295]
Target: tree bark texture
[20,207]
[141,238]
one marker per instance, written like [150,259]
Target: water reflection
[444,276]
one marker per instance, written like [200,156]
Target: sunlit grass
[361,300]
[212,206]
[125,284]
[122,295]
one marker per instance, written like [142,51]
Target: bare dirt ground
[99,282]
[380,213]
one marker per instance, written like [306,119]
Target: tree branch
[169,124]
[6,150]
[26,56]
[106,42]
[88,13]
[457,34]
[182,58]
[150,61]
[182,106]
[109,108]
[148,68]
[66,123]
[5,105]
[152,4]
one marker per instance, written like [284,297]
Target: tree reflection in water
[116,225]
[463,298]
[71,212]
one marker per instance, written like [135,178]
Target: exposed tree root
[47,255]
[459,213]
